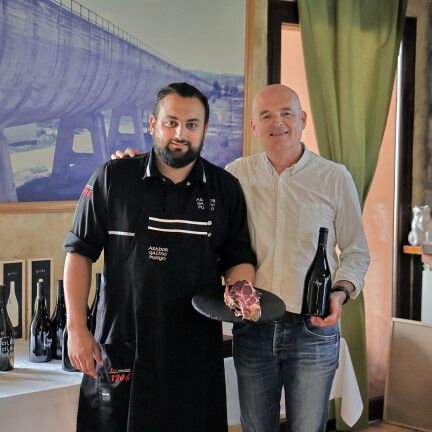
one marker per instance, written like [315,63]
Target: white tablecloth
[344,386]
[37,397]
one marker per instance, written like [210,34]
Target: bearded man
[170,224]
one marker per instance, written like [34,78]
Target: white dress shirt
[285,213]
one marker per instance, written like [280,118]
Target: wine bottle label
[48,343]
[6,346]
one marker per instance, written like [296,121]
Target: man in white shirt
[291,193]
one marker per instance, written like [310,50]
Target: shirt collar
[197,173]
[301,163]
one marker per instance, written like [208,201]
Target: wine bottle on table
[41,330]
[317,284]
[59,321]
[66,364]
[7,335]
[93,309]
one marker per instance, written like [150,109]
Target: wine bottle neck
[60,290]
[322,239]
[40,302]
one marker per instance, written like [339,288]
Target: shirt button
[208,234]
[188,184]
[209,222]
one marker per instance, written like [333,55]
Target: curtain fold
[350,50]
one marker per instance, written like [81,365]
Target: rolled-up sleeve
[88,233]
[354,255]
[236,248]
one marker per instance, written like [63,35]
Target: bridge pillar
[65,158]
[7,183]
[118,140]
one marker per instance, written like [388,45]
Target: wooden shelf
[412,250]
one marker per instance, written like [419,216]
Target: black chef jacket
[108,216]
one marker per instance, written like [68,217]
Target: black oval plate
[211,304]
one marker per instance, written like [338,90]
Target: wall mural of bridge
[74,87]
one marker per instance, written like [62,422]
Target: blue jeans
[294,354]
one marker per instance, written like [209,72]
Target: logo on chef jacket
[158,253]
[120,375]
[87,191]
[212,204]
[200,203]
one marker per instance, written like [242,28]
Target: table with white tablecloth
[38,397]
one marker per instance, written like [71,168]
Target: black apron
[172,377]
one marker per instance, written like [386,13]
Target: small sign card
[39,268]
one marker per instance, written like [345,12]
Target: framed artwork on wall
[12,275]
[39,269]
[59,123]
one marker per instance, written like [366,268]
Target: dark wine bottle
[7,336]
[59,321]
[41,330]
[66,364]
[317,284]
[93,309]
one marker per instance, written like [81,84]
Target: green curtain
[350,50]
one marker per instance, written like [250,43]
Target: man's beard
[177,159]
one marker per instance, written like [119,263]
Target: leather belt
[290,317]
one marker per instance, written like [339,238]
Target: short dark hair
[182,89]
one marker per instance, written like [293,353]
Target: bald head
[275,92]
[278,120]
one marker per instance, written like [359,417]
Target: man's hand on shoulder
[129,152]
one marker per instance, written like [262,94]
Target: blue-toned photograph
[78,79]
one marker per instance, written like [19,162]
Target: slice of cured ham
[244,300]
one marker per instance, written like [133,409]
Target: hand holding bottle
[336,300]
[335,313]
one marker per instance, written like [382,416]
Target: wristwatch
[341,288]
